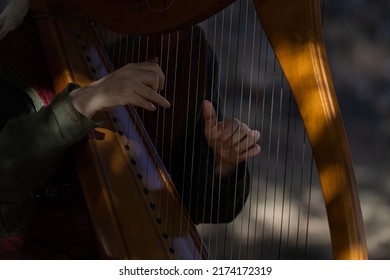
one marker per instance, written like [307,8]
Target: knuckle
[244,128]
[155,77]
[150,93]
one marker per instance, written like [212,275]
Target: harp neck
[137,16]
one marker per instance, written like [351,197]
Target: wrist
[81,101]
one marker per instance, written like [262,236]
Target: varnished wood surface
[294,30]
[153,16]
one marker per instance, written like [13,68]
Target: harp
[134,206]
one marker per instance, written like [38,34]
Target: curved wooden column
[294,30]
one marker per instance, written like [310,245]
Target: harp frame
[295,32]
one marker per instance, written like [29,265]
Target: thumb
[209,115]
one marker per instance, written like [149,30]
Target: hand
[12,16]
[136,84]
[231,140]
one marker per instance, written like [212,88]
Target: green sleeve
[32,146]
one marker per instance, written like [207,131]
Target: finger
[250,153]
[151,96]
[251,138]
[155,68]
[149,78]
[141,102]
[232,136]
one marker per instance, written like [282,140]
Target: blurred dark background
[357,35]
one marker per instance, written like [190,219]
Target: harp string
[239,83]
[255,124]
[262,129]
[222,96]
[277,149]
[284,182]
[239,97]
[229,69]
[199,91]
[212,25]
[249,116]
[187,129]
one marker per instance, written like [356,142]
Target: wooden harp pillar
[294,30]
[297,38]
